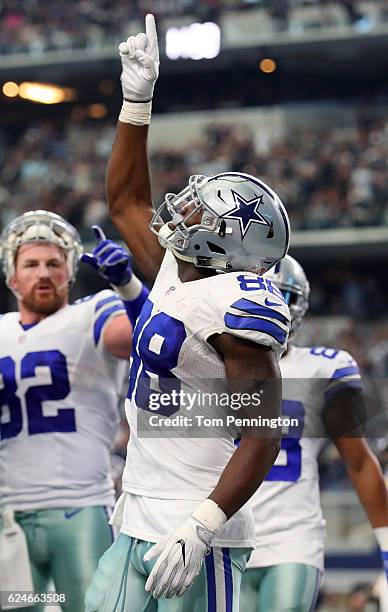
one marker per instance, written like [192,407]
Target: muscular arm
[344,416]
[367,478]
[129,196]
[247,365]
[118,336]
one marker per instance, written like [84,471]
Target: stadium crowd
[28,26]
[336,178]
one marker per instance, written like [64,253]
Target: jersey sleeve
[98,310]
[342,373]
[107,305]
[252,308]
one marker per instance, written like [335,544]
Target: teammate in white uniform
[319,385]
[200,330]
[60,380]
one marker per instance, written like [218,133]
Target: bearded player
[62,368]
[211,322]
[321,386]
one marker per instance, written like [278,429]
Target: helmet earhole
[197,247]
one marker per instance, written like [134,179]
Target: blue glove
[111,261]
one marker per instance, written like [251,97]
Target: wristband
[210,515]
[133,294]
[131,290]
[137,113]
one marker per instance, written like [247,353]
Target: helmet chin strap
[222,265]
[165,232]
[182,257]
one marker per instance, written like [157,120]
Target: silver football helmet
[230,222]
[39,226]
[289,276]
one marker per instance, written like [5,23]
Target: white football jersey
[288,516]
[59,390]
[170,344]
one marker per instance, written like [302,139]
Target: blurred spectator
[337,178]
[33,27]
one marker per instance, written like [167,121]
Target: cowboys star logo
[247,212]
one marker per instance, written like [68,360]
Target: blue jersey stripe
[211,583]
[228,580]
[256,324]
[107,300]
[102,319]
[253,308]
[342,372]
[384,554]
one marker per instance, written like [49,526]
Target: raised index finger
[152,36]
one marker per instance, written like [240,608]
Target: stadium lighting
[268,65]
[196,41]
[45,93]
[97,111]
[10,89]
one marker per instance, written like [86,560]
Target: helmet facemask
[189,215]
[39,227]
[289,277]
[229,222]
[298,305]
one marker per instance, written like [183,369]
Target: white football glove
[181,554]
[140,61]
[381,534]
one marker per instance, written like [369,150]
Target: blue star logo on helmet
[246,212]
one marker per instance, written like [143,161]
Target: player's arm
[248,366]
[128,177]
[343,415]
[368,481]
[367,478]
[117,337]
[112,262]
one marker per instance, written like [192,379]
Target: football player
[61,371]
[321,386]
[211,322]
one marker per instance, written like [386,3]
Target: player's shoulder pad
[96,301]
[338,367]
[333,359]
[99,308]
[252,307]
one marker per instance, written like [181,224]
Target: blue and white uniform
[173,474]
[59,390]
[166,478]
[289,524]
